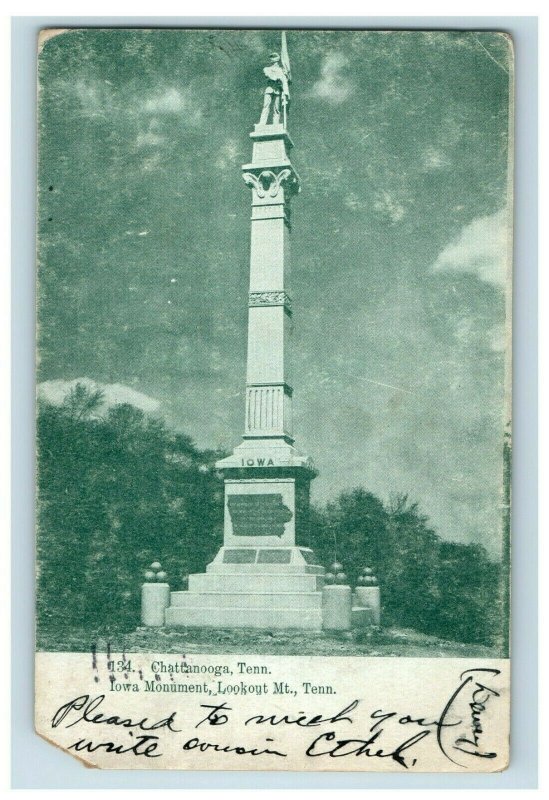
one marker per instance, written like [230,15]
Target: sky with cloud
[400,246]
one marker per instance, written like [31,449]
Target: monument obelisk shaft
[273,181]
[264,575]
[268,388]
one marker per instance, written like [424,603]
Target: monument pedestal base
[253,587]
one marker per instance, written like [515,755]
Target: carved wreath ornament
[268,182]
[270,299]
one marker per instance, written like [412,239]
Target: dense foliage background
[118,490]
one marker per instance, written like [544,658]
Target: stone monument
[264,575]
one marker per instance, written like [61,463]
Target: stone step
[267,600]
[259,569]
[244,582]
[265,618]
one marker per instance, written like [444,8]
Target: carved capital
[267,182]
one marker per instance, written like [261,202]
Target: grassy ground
[384,642]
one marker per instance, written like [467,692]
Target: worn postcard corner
[45,34]
[273,405]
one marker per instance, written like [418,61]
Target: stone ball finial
[340,577]
[150,575]
[329,577]
[156,565]
[161,576]
[367,571]
[336,567]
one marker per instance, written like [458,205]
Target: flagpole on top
[285,64]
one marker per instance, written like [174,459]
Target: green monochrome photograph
[273,432]
[273,301]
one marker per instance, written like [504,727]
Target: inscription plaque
[258,514]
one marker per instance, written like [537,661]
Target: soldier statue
[277,91]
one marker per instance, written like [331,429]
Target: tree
[117,492]
[351,530]
[408,575]
[440,588]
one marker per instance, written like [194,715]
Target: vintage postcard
[273,398]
